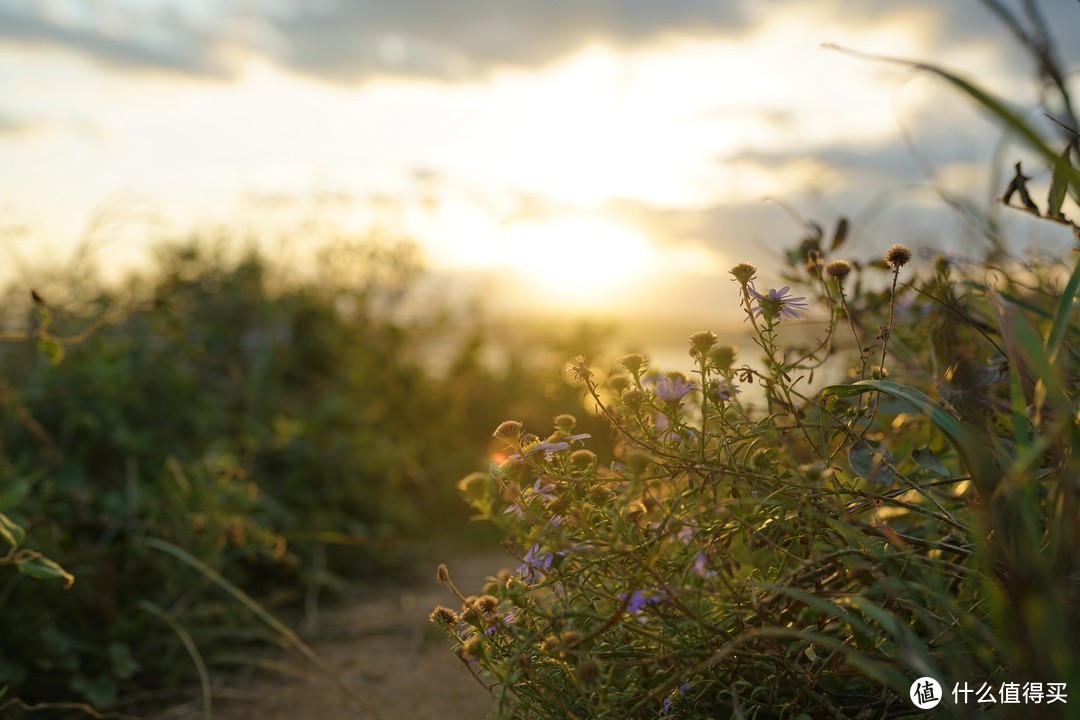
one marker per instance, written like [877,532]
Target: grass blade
[192,650]
[1063,313]
[260,612]
[993,105]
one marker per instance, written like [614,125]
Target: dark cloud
[154,38]
[350,41]
[11,125]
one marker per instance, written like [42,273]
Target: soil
[396,664]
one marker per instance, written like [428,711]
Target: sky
[555,156]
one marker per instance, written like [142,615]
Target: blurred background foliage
[293,434]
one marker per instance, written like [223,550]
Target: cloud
[352,41]
[162,37]
[11,125]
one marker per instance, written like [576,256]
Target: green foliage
[215,443]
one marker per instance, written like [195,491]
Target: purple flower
[542,490]
[507,619]
[548,448]
[638,601]
[673,390]
[721,390]
[535,564]
[701,566]
[778,304]
[674,694]
[539,489]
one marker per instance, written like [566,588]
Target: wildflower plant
[903,502]
[812,555]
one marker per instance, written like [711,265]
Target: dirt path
[384,649]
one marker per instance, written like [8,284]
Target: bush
[290,435]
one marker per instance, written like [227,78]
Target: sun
[584,263]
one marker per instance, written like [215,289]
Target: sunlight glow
[574,261]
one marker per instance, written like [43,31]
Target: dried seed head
[550,644]
[588,671]
[583,458]
[487,603]
[474,648]
[898,256]
[470,613]
[508,430]
[744,272]
[512,468]
[443,616]
[633,397]
[838,270]
[565,422]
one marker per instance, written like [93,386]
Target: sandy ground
[383,649]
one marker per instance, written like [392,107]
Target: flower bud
[633,397]
[634,363]
[703,341]
[724,356]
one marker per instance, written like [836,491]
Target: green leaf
[124,663]
[1063,313]
[11,532]
[1059,183]
[872,461]
[38,566]
[909,648]
[975,455]
[99,692]
[925,457]
[15,494]
[52,350]
[945,422]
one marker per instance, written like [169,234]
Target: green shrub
[289,434]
